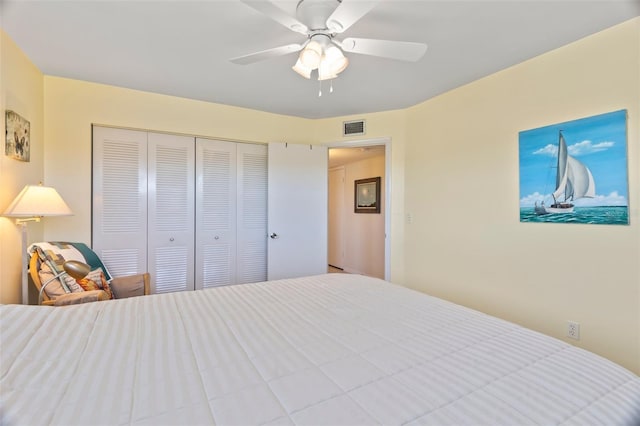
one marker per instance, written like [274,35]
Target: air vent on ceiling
[350,128]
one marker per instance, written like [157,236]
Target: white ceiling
[182,48]
[341,156]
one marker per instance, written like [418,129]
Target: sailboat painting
[576,172]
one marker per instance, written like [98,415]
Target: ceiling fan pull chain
[320,90]
[331,86]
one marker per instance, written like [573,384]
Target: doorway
[358,242]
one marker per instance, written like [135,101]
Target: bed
[333,349]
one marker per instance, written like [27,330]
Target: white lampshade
[37,201]
[301,69]
[311,55]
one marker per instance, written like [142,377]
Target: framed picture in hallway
[367,195]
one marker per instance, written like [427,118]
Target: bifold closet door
[231,213]
[215,213]
[171,209]
[119,219]
[190,211]
[252,213]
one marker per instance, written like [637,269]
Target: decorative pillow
[55,253]
[95,280]
[71,284]
[54,288]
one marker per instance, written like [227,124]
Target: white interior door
[336,217]
[297,210]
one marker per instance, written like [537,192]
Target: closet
[191,211]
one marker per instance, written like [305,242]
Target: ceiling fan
[320,21]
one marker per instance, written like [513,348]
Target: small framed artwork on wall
[17,142]
[367,195]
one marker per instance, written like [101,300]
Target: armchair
[39,268]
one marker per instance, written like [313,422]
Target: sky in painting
[599,142]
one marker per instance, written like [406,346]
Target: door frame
[386,141]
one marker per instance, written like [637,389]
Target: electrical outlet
[573,330]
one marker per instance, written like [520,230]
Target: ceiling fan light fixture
[311,55]
[325,71]
[336,59]
[334,26]
[301,69]
[321,21]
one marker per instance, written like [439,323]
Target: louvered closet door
[252,213]
[171,168]
[119,228]
[215,213]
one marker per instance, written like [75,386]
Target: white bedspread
[334,350]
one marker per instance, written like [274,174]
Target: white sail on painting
[573,181]
[580,177]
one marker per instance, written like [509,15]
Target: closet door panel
[216,197]
[252,213]
[171,176]
[119,227]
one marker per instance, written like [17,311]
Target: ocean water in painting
[605,215]
[576,171]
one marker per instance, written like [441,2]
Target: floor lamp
[31,204]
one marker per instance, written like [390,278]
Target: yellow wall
[466,243]
[21,90]
[389,124]
[71,106]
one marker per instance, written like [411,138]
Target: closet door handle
[273,236]
[171,239]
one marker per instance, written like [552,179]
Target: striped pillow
[95,280]
[55,288]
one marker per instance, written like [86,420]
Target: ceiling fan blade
[348,13]
[401,50]
[266,54]
[277,14]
